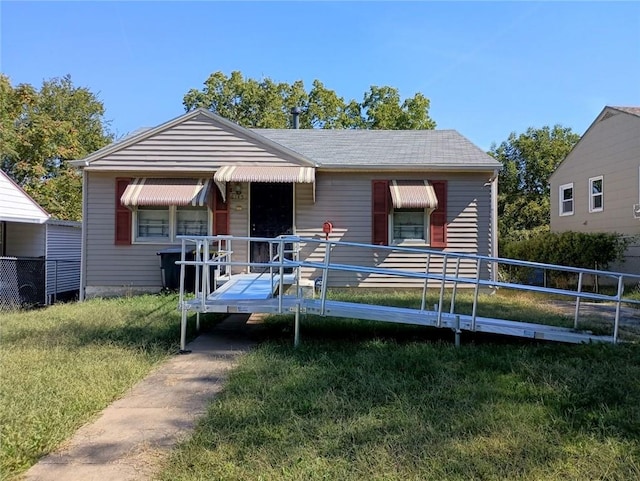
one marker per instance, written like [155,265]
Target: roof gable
[197,140]
[607,113]
[16,205]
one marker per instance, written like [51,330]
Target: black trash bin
[171,270]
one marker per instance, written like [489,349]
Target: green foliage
[528,161]
[573,249]
[267,104]
[41,131]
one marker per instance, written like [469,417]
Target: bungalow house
[39,256]
[201,174]
[596,188]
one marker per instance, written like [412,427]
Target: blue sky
[489,68]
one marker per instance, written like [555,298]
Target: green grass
[61,365]
[362,400]
[358,400]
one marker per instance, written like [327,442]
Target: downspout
[494,223]
[83,238]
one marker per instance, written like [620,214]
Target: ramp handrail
[484,271]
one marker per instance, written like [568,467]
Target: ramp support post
[457,332]
[296,327]
[183,332]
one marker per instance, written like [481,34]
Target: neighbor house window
[2,238]
[596,194]
[566,199]
[410,226]
[163,224]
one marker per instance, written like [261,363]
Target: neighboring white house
[596,188]
[39,256]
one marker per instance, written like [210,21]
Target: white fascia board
[24,220]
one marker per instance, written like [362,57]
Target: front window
[152,223]
[566,199]
[410,226]
[596,194]
[192,221]
[163,224]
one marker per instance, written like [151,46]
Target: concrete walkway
[132,435]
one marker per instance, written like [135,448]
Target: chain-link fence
[22,282]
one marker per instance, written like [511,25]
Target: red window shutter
[380,212]
[438,221]
[123,215]
[220,214]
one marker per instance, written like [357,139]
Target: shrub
[573,249]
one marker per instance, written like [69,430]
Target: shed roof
[383,148]
[16,205]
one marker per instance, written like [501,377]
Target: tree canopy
[528,160]
[40,131]
[267,104]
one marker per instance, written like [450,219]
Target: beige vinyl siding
[345,200]
[610,148]
[126,266]
[25,240]
[194,145]
[342,198]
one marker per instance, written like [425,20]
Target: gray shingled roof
[382,148]
[629,110]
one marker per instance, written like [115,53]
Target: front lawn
[375,401]
[357,400]
[61,365]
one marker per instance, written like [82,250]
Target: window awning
[413,194]
[165,192]
[252,173]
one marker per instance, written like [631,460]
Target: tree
[384,111]
[528,160]
[267,104]
[41,131]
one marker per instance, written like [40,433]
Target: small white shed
[39,256]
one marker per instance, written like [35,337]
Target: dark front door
[271,215]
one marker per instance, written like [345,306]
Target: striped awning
[413,194]
[256,173]
[285,174]
[164,192]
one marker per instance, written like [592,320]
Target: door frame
[249,214]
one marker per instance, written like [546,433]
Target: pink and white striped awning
[164,192]
[413,194]
[260,173]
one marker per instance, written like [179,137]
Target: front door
[271,215]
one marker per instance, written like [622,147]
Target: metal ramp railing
[293,261]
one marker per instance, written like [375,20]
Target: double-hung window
[566,199]
[163,224]
[410,226]
[596,194]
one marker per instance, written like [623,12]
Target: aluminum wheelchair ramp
[279,287]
